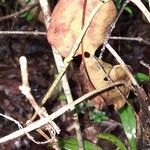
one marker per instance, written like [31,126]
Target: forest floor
[42,72]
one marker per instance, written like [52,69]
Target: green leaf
[89,104]
[141,77]
[62,98]
[98,116]
[128,121]
[115,140]
[72,144]
[128,10]
[29,17]
[79,108]
[24,14]
[118,3]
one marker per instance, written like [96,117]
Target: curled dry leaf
[68,19]
[102,75]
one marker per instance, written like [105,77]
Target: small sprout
[128,10]
[62,98]
[98,116]
[89,104]
[27,15]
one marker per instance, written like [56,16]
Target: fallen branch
[43,121]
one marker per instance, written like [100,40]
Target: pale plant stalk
[57,57]
[64,80]
[67,62]
[46,13]
[26,90]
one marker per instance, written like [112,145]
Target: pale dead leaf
[67,21]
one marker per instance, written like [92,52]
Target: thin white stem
[138,39]
[46,12]
[36,33]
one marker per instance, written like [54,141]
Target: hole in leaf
[86,54]
[105,79]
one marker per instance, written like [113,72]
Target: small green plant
[62,97]
[98,116]
[27,15]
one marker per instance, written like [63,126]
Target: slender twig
[146,65]
[21,127]
[69,98]
[35,33]
[39,123]
[58,59]
[27,8]
[138,39]
[25,88]
[64,80]
[111,28]
[46,12]
[78,132]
